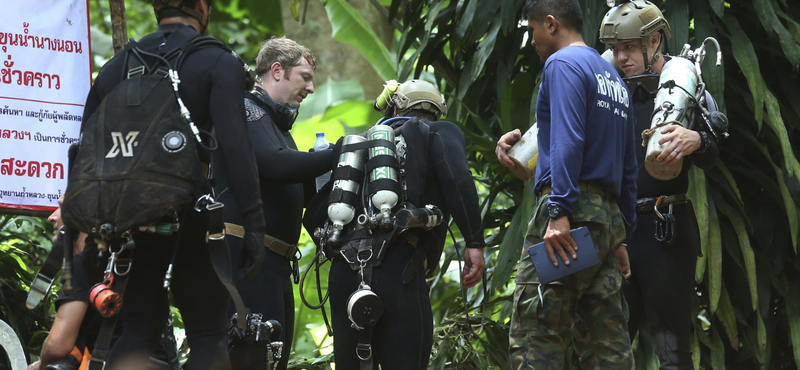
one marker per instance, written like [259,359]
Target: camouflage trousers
[587,308]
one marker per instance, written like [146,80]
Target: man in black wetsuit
[212,87]
[437,173]
[662,283]
[285,72]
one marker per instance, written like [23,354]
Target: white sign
[44,79]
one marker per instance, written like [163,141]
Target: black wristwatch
[705,141]
[555,211]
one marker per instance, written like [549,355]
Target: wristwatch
[704,142]
[555,211]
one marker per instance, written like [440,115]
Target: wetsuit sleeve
[708,158]
[448,155]
[627,194]
[567,92]
[92,102]
[284,165]
[226,107]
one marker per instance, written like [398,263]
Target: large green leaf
[792,298]
[728,318]
[744,244]
[745,55]
[351,28]
[775,122]
[697,193]
[769,19]
[328,94]
[511,247]
[677,13]
[714,257]
[475,65]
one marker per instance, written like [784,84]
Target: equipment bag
[138,159]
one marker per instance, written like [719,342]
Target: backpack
[138,158]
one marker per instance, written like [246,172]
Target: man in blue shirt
[585,176]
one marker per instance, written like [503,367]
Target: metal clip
[364,347]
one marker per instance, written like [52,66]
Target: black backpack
[138,158]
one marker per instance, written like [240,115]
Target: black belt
[44,278]
[647,205]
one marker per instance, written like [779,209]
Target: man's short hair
[173,8]
[568,12]
[284,51]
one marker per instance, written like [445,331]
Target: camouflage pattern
[588,305]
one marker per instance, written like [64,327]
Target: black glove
[252,256]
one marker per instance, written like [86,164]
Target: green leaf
[431,17]
[511,247]
[770,21]
[714,257]
[728,318]
[697,193]
[775,122]
[719,7]
[745,55]
[466,18]
[478,60]
[761,335]
[793,315]
[696,354]
[744,244]
[350,27]
[677,13]
[717,352]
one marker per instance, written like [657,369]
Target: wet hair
[568,12]
[285,51]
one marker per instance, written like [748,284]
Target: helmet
[631,20]
[412,94]
[180,5]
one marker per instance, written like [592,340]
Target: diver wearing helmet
[415,177]
[664,247]
[212,86]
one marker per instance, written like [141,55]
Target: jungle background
[747,307]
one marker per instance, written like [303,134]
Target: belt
[586,187]
[272,243]
[647,205]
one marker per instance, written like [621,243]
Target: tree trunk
[119,29]
[337,60]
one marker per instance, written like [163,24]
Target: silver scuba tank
[674,105]
[341,213]
[384,200]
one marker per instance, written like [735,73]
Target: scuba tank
[383,197]
[675,103]
[679,98]
[341,210]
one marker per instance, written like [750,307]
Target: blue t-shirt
[586,130]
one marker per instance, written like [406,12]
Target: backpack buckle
[136,71]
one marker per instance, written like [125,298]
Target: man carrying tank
[285,73]
[212,87]
[585,176]
[661,288]
[434,171]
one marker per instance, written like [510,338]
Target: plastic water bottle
[319,145]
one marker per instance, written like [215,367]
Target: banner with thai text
[44,79]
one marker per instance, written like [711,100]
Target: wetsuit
[438,174]
[212,87]
[287,180]
[662,282]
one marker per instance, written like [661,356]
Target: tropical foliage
[748,300]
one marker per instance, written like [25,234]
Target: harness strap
[220,259]
[348,173]
[364,345]
[367,145]
[383,160]
[44,278]
[339,195]
[102,346]
[385,184]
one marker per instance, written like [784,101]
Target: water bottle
[319,145]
